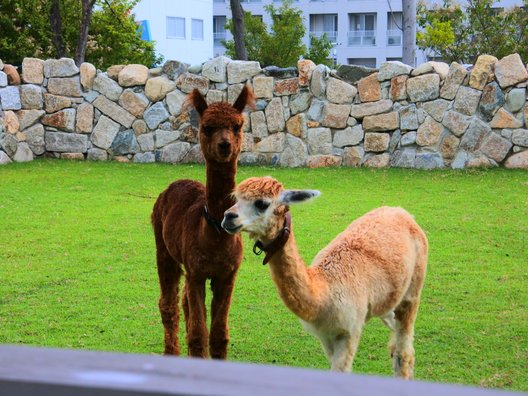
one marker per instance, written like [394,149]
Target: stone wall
[434,116]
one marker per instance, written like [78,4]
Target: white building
[182,29]
[365,32]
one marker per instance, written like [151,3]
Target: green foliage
[255,35]
[113,37]
[437,33]
[281,44]
[24,30]
[77,265]
[462,34]
[319,50]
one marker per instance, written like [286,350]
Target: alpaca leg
[328,347]
[219,335]
[196,317]
[402,341]
[389,320]
[345,347]
[169,273]
[185,305]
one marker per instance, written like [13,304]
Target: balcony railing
[362,38]
[218,37]
[219,1]
[330,35]
[394,37]
[250,1]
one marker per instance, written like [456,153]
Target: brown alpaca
[375,267]
[189,239]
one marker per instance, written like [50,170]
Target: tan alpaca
[376,267]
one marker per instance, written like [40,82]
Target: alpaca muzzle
[229,223]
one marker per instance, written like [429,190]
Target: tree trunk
[409,32]
[238,30]
[56,28]
[82,39]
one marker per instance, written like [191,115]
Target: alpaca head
[221,124]
[262,203]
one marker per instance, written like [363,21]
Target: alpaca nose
[229,223]
[230,216]
[224,145]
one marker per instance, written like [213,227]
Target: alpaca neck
[219,185]
[300,291]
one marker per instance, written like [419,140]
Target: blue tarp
[145,30]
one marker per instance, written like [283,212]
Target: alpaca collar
[273,246]
[212,221]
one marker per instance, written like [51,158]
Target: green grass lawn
[77,265]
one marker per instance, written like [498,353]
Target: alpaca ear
[196,100]
[288,197]
[246,98]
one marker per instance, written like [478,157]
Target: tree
[462,34]
[238,30]
[25,31]
[409,32]
[110,36]
[56,27]
[319,50]
[82,40]
[281,44]
[115,38]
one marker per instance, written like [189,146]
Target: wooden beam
[41,371]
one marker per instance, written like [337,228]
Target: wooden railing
[42,372]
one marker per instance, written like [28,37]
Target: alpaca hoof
[171,352]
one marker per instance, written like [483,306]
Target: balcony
[251,1]
[330,35]
[394,37]
[218,37]
[219,1]
[362,38]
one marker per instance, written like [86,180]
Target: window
[324,23]
[394,25]
[219,32]
[362,22]
[175,27]
[197,29]
[362,30]
[368,62]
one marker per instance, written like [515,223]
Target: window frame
[193,20]
[167,28]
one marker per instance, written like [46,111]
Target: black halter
[212,221]
[280,240]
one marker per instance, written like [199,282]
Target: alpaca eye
[237,128]
[208,130]
[261,205]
